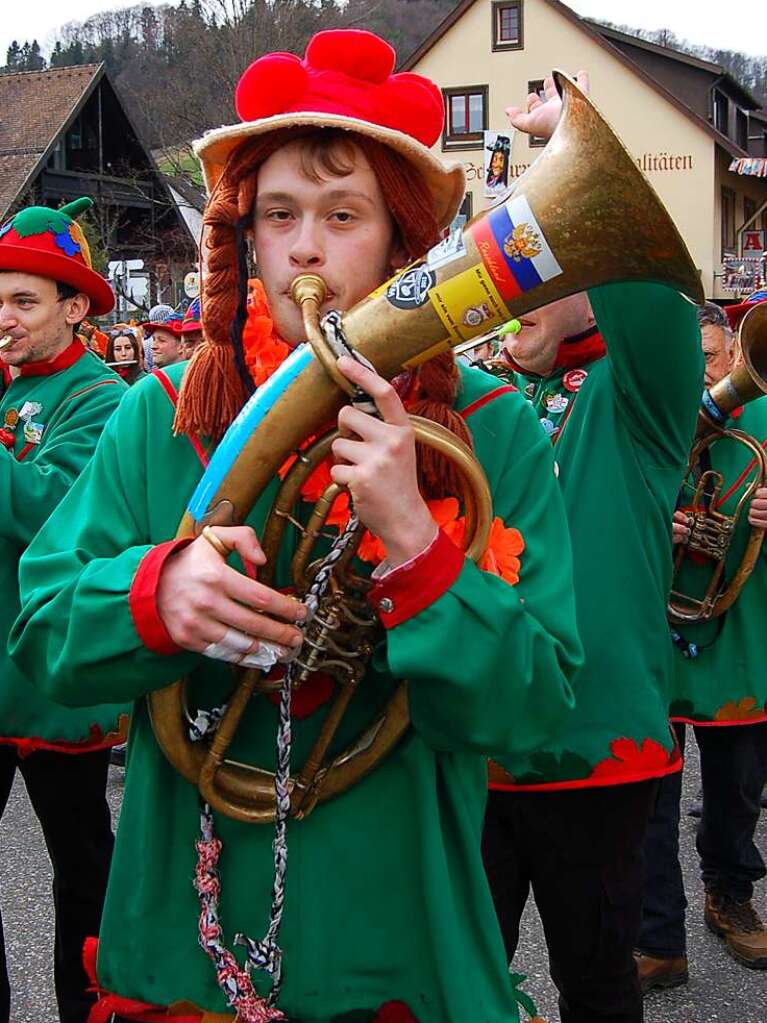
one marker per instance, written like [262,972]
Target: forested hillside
[176,66]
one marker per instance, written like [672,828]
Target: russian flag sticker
[522,244]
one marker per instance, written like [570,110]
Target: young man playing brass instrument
[615,377]
[387,914]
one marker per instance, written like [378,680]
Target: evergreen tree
[35,60]
[13,57]
[57,55]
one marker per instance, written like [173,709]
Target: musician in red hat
[53,411]
[191,330]
[384,912]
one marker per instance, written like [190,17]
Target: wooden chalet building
[65,133]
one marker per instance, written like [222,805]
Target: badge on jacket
[556,403]
[33,432]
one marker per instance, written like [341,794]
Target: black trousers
[581,853]
[68,794]
[733,763]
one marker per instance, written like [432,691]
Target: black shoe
[117,754]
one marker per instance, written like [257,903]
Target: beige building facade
[489,54]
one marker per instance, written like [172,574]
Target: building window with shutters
[749,209]
[720,111]
[466,119]
[507,25]
[741,129]
[728,222]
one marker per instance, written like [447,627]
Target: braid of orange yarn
[216,384]
[439,382]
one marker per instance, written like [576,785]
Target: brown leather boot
[738,924]
[658,974]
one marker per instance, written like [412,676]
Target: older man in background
[720,687]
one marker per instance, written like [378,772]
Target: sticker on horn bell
[468,304]
[514,248]
[411,288]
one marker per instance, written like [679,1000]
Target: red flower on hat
[347,72]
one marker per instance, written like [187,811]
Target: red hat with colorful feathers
[50,243]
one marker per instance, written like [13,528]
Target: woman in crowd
[124,354]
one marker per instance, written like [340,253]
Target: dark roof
[35,108]
[194,196]
[677,55]
[599,38]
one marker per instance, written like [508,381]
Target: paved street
[719,989]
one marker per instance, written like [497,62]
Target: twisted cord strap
[266,954]
[205,721]
[235,981]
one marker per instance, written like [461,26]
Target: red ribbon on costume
[109,1004]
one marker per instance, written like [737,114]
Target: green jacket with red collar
[622,428]
[52,415]
[386,893]
[725,682]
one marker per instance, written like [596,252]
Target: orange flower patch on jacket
[745,709]
[628,758]
[505,543]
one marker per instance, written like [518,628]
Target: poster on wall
[743,274]
[753,243]
[497,160]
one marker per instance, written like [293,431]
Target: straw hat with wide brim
[344,81]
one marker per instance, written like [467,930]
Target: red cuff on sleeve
[407,590]
[142,598]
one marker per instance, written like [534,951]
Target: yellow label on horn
[469,304]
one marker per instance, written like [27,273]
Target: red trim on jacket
[675,763]
[90,387]
[142,598]
[96,740]
[172,393]
[183,1012]
[490,396]
[740,480]
[406,591]
[735,722]
[63,360]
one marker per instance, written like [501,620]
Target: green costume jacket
[52,415]
[386,893]
[726,683]
[622,428]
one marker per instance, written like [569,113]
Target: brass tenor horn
[583,215]
[711,530]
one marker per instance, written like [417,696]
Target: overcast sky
[737,26]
